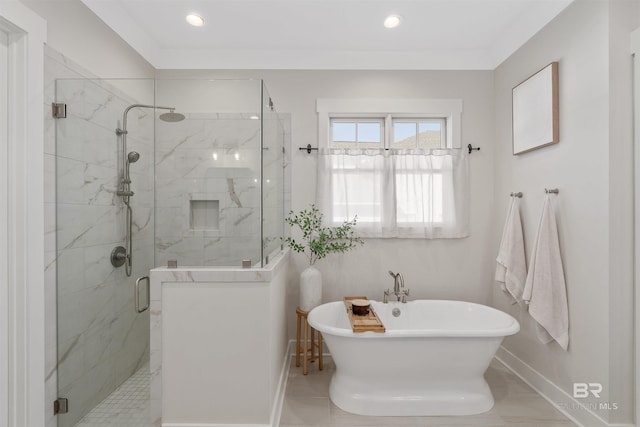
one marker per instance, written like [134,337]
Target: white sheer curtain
[396,193]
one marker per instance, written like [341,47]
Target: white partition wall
[218,341]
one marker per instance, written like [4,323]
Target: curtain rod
[309,148]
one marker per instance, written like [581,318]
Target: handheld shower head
[133,156]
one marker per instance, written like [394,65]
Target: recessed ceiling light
[392,21]
[195,20]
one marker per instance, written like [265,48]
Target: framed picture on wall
[535,111]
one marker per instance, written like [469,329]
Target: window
[357,133]
[400,171]
[406,133]
[419,133]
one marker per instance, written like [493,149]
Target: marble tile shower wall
[101,340]
[208,157]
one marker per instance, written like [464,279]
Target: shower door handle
[136,294]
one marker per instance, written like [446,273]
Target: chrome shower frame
[124,255]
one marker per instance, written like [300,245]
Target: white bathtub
[430,361]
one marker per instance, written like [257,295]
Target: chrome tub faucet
[398,288]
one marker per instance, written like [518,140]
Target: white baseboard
[212,425]
[578,412]
[276,410]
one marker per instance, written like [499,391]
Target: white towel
[511,266]
[545,289]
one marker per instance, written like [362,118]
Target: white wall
[204,96]
[623,18]
[77,33]
[21,271]
[591,167]
[456,269]
[223,377]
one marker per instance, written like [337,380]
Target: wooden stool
[308,354]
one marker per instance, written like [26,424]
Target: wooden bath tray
[367,323]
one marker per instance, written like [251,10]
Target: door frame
[635,51]
[22,341]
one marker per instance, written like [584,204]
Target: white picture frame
[535,111]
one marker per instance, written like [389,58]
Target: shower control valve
[118,256]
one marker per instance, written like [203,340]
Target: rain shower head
[172,117]
[133,156]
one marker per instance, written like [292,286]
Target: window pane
[404,134]
[368,132]
[430,135]
[343,132]
[429,126]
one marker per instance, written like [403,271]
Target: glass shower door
[102,341]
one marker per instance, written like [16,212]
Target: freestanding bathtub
[430,361]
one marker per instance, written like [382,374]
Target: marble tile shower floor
[307,403]
[127,406]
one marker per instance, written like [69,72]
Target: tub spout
[398,287]
[398,282]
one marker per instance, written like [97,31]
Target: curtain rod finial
[471,148]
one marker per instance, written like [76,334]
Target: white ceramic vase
[310,288]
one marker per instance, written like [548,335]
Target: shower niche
[186,170]
[205,215]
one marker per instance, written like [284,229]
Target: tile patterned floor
[127,406]
[307,403]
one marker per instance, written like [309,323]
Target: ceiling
[327,34]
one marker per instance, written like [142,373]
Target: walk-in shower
[203,187]
[123,255]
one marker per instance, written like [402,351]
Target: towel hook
[551,190]
[518,194]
